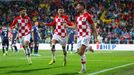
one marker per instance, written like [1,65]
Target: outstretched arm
[94,32]
[29,24]
[89,18]
[51,23]
[73,26]
[13,23]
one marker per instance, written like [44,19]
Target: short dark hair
[22,8]
[60,7]
[81,3]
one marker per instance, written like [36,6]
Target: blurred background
[113,18]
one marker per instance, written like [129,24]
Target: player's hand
[64,24]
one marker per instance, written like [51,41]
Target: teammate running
[24,30]
[59,33]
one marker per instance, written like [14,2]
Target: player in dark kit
[70,40]
[36,39]
[5,40]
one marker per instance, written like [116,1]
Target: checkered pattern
[60,29]
[83,25]
[24,25]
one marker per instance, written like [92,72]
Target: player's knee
[53,42]
[53,48]
[65,53]
[80,53]
[26,42]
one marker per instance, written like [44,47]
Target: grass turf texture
[16,64]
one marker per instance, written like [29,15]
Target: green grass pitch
[16,64]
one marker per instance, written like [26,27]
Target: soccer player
[36,39]
[83,23]
[24,30]
[70,40]
[14,38]
[59,33]
[31,44]
[5,40]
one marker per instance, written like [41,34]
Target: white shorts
[58,38]
[24,39]
[83,41]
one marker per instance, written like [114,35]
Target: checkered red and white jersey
[83,24]
[60,29]
[25,25]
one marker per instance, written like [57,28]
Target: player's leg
[15,47]
[83,57]
[31,45]
[67,48]
[7,45]
[65,55]
[12,45]
[54,40]
[63,43]
[26,41]
[3,47]
[36,46]
[71,47]
[81,52]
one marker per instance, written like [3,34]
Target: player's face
[79,8]
[60,11]
[36,23]
[23,13]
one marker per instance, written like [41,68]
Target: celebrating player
[24,30]
[59,33]
[84,22]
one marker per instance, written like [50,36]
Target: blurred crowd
[113,18]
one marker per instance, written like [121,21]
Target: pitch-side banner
[94,46]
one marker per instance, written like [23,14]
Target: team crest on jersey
[62,20]
[26,20]
[84,19]
[19,20]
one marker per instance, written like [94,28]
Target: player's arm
[67,21]
[89,18]
[73,25]
[32,34]
[69,24]
[29,24]
[13,23]
[30,27]
[51,23]
[94,32]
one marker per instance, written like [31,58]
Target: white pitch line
[101,71]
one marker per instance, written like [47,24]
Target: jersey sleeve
[67,21]
[13,23]
[89,18]
[29,24]
[52,23]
